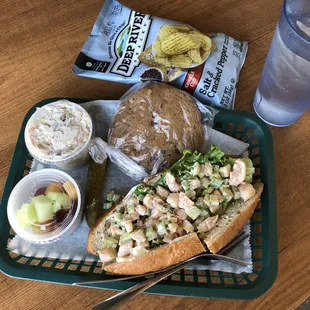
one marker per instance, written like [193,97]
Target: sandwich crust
[230,224]
[164,256]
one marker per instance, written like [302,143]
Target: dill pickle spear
[96,176]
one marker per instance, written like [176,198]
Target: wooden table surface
[40,40]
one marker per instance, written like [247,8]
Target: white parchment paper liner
[74,246]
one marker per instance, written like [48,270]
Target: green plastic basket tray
[210,284]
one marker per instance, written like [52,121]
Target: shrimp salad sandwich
[200,204]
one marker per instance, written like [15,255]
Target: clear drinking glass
[283,92]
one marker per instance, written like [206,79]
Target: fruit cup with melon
[49,209]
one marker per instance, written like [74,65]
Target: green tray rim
[259,287]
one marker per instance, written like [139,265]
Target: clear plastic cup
[67,157]
[283,93]
[61,224]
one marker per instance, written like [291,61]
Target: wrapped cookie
[153,125]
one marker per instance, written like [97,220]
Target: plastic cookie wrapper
[127,46]
[100,150]
[152,126]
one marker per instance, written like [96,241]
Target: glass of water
[283,92]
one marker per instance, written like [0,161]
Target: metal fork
[122,298]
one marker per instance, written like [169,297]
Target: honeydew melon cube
[43,207]
[59,198]
[26,215]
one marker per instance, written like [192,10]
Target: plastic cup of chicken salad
[59,133]
[44,206]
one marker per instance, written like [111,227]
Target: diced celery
[216,183]
[214,200]
[193,212]
[196,169]
[161,229]
[199,191]
[210,189]
[236,192]
[185,185]
[216,169]
[201,175]
[249,169]
[190,194]
[150,234]
[199,202]
[206,200]
[226,182]
[204,213]
[157,241]
[227,193]
[110,242]
[118,217]
[216,175]
[131,209]
[125,237]
[112,197]
[107,205]
[249,175]
[116,197]
[140,197]
[205,182]
[138,235]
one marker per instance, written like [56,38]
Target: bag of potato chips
[129,47]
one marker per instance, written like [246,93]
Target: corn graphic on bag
[129,47]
